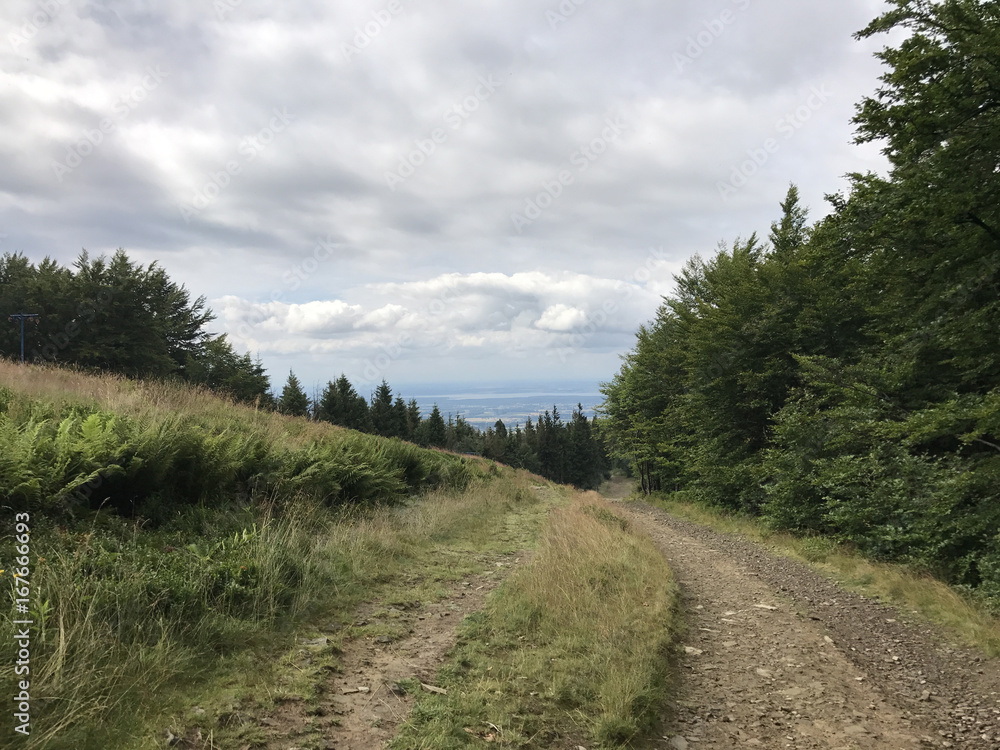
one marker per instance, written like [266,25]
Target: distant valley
[482,405]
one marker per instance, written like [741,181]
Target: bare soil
[362,704]
[777,656]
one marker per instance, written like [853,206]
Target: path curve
[776,656]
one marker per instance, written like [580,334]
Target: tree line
[843,377]
[566,452]
[116,315]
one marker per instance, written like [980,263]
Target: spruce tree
[436,431]
[330,409]
[412,419]
[381,410]
[399,424]
[293,402]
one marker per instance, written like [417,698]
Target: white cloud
[561,318]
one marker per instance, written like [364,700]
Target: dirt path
[363,703]
[780,657]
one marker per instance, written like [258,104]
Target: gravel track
[778,656]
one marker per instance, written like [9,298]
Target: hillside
[192,572]
[305,586]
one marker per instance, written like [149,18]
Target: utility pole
[23,317]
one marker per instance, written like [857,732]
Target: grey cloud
[357,115]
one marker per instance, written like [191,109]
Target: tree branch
[983,225]
[994,446]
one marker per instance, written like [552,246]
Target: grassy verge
[392,556]
[176,537]
[112,670]
[912,592]
[573,649]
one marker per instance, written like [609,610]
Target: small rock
[690,650]
[926,695]
[678,743]
[315,642]
[764,673]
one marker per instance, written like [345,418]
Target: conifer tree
[413,419]
[293,402]
[381,410]
[436,430]
[400,420]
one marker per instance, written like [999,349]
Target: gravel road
[777,656]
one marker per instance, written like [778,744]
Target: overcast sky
[423,190]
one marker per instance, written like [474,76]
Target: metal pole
[22,317]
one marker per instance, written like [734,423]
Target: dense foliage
[118,316]
[844,378]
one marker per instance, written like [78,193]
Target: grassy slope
[139,622]
[271,528]
[389,554]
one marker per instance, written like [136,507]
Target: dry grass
[969,622]
[151,400]
[574,645]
